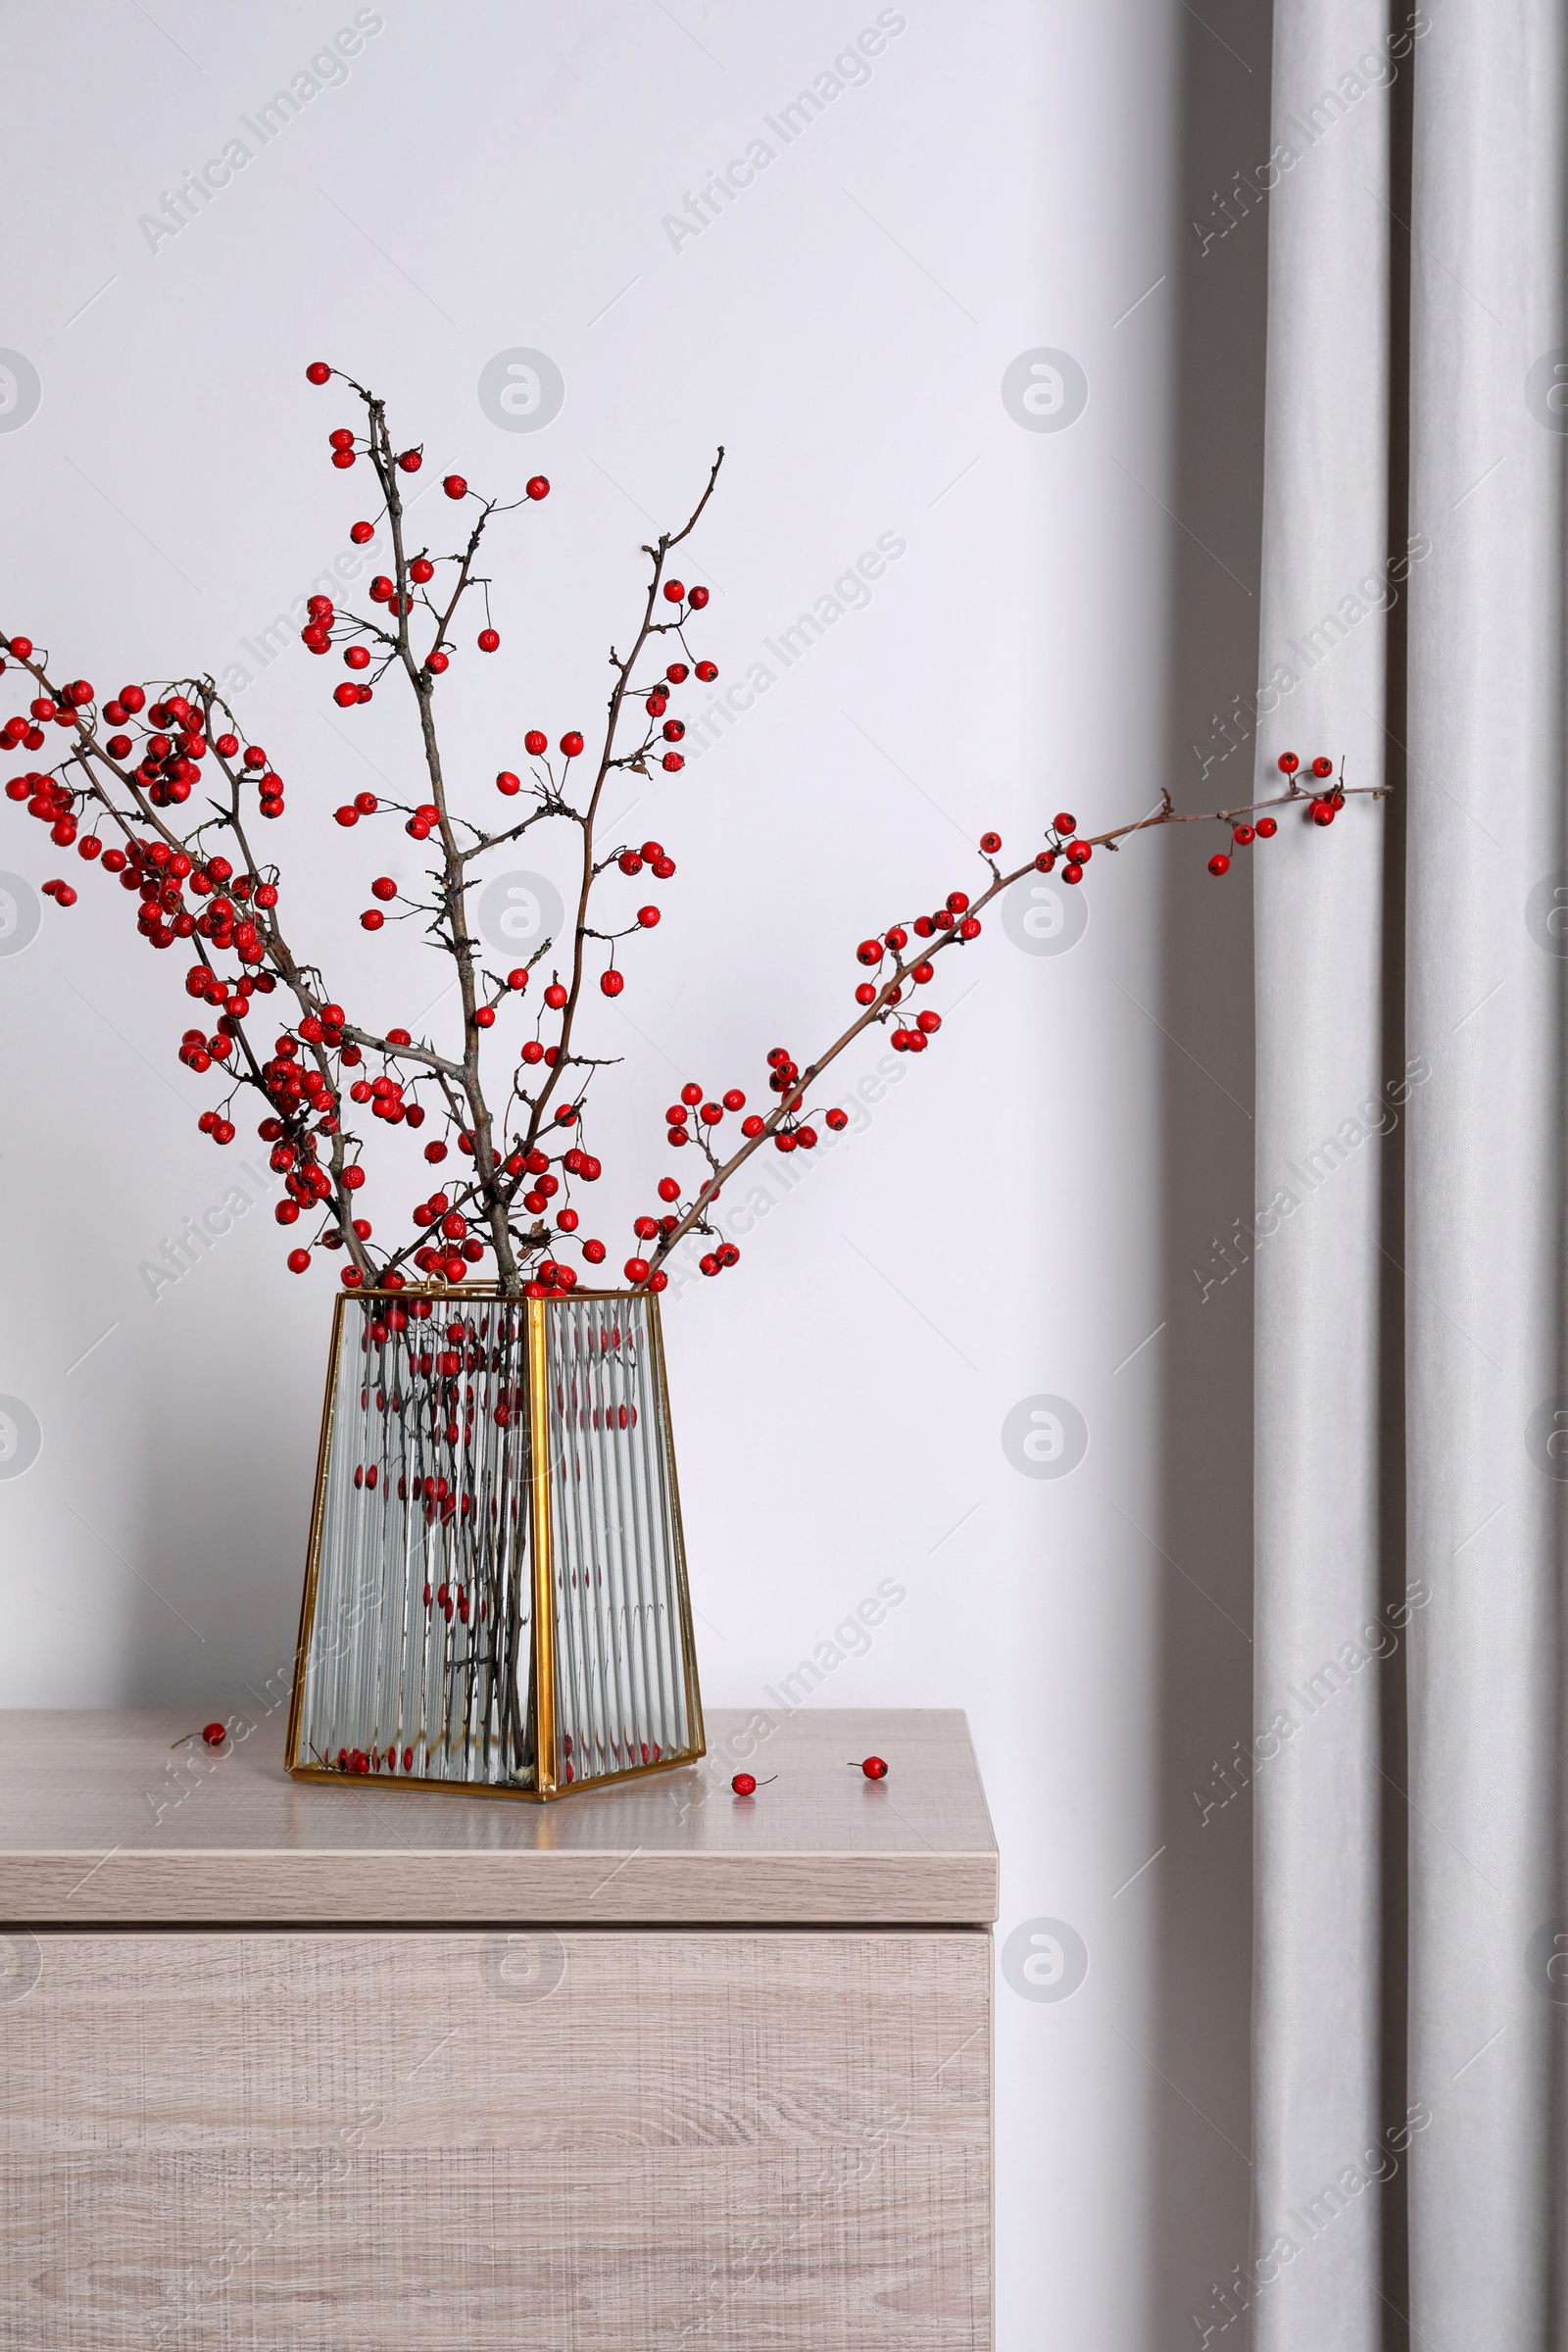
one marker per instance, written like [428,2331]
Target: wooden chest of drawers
[364,2067]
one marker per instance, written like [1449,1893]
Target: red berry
[594,1252]
[1322,766]
[538,486]
[213,1733]
[455,486]
[1267,829]
[372,919]
[508,783]
[520,978]
[1242,835]
[668,1189]
[838,1120]
[698,598]
[874,1769]
[648,916]
[439,663]
[571,744]
[708,672]
[1287,763]
[1219,864]
[744,1783]
[611,983]
[674,592]
[1065,823]
[734,1099]
[362,532]
[421,569]
[753,1126]
[411,461]
[691,1094]
[533,743]
[1322,812]
[489,639]
[672,762]
[1072,873]
[318,372]
[865,994]
[299,1261]
[342,459]
[344,694]
[869,951]
[637,1269]
[555,996]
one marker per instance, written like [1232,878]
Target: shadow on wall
[1200,2184]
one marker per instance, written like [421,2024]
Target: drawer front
[576,2140]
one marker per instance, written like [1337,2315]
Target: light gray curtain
[1412,1426]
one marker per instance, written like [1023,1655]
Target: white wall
[1023,1207]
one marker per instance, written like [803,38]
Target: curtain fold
[1411,1394]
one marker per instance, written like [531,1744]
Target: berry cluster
[1323,809]
[122,792]
[370,647]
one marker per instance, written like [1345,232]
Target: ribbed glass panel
[419,1654]
[622,1695]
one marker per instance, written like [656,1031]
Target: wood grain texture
[591,2141]
[99,1820]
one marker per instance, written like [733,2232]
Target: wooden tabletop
[102,1820]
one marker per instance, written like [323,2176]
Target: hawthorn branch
[658,554]
[904,963]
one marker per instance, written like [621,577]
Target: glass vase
[494,1593]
